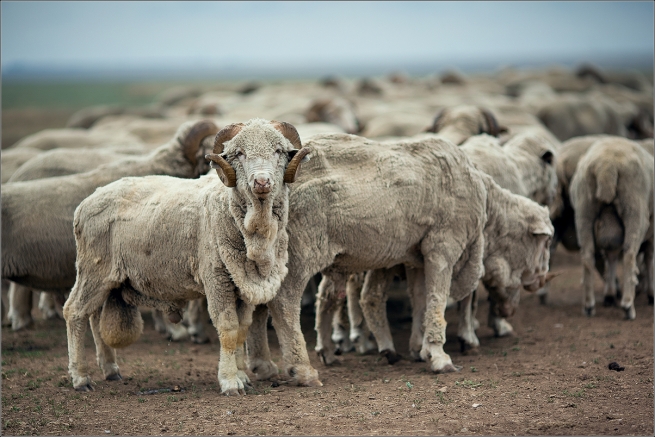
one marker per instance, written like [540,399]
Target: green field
[21,95]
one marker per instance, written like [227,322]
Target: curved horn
[289,132]
[492,123]
[435,124]
[294,165]
[192,140]
[226,134]
[225,171]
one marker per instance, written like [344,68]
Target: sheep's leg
[198,317]
[223,312]
[416,291]
[339,332]
[20,306]
[585,215]
[82,302]
[610,260]
[374,306]
[474,310]
[360,334]
[499,324]
[648,273]
[158,318]
[468,340]
[5,303]
[259,355]
[105,355]
[48,306]
[244,312]
[285,311]
[635,219]
[331,296]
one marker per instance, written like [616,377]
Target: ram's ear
[225,171]
[297,157]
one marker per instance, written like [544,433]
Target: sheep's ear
[540,228]
[297,156]
[225,172]
[547,157]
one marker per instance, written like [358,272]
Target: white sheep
[615,172]
[163,241]
[38,247]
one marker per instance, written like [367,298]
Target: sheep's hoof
[448,368]
[589,311]
[114,377]
[543,299]
[467,348]
[83,385]
[326,358]
[391,356]
[200,339]
[609,301]
[630,313]
[416,356]
[650,300]
[234,392]
[20,324]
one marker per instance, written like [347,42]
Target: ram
[163,241]
[38,246]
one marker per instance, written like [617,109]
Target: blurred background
[58,57]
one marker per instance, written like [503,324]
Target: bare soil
[552,378]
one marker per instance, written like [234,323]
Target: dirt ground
[552,378]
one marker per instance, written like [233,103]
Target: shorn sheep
[365,205]
[38,246]
[163,241]
[614,178]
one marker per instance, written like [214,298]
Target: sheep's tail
[607,177]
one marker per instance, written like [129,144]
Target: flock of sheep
[204,206]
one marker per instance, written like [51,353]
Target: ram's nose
[262,184]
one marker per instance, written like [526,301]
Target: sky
[297,36]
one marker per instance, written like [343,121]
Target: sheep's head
[521,261]
[461,122]
[259,154]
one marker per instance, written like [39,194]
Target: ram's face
[261,156]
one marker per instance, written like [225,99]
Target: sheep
[87,117]
[365,205]
[524,166]
[13,159]
[48,139]
[62,161]
[230,246]
[572,115]
[38,247]
[336,110]
[517,237]
[616,172]
[459,123]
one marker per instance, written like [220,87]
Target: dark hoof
[391,356]
[543,299]
[589,311]
[199,340]
[650,300]
[114,377]
[467,349]
[337,351]
[84,388]
[609,301]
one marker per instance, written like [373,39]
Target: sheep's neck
[260,222]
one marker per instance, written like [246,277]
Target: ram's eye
[240,154]
[278,151]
